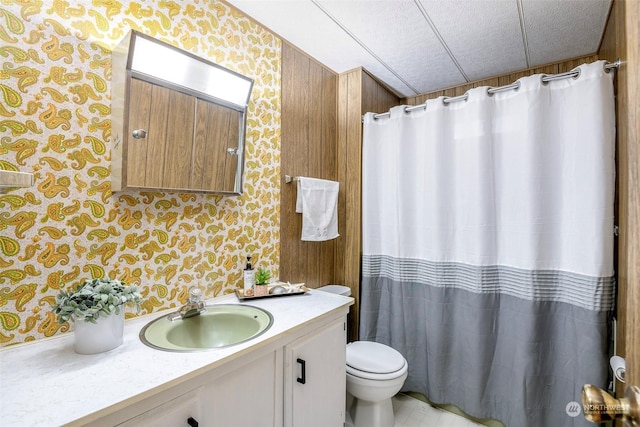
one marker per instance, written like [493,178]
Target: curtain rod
[546,78]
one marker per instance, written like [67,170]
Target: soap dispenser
[249,276]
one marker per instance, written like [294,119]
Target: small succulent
[262,276]
[95,298]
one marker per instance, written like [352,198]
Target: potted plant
[97,308]
[262,277]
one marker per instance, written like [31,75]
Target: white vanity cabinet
[184,410]
[248,392]
[299,382]
[248,396]
[253,384]
[315,378]
[302,384]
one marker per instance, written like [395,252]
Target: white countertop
[46,383]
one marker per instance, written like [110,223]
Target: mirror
[178,120]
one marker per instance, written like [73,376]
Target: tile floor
[412,412]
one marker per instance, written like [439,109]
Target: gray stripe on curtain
[494,355]
[591,293]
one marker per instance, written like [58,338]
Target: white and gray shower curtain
[488,245]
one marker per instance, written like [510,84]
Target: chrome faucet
[194,306]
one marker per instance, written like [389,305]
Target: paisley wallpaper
[55,122]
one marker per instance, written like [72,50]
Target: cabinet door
[182,411]
[136,156]
[216,131]
[249,396]
[315,379]
[179,142]
[162,157]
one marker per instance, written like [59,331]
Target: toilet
[375,373]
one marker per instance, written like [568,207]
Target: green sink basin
[219,326]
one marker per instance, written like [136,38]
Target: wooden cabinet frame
[178,135]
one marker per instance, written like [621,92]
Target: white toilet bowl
[375,373]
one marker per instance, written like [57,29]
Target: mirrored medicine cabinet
[178,121]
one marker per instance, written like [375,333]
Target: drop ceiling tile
[301,23]
[397,33]
[393,40]
[558,30]
[305,25]
[484,36]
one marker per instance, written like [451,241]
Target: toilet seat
[374,361]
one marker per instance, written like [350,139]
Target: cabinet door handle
[303,369]
[192,422]
[139,134]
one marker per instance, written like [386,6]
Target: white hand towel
[317,201]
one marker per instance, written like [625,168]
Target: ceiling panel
[559,30]
[301,23]
[484,37]
[418,46]
[397,33]
[305,25]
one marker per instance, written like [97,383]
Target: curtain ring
[546,78]
[448,99]
[513,86]
[577,76]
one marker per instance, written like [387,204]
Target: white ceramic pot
[91,338]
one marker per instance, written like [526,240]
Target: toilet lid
[373,357]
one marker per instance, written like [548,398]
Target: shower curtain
[488,245]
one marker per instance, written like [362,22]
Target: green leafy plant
[95,298]
[262,276]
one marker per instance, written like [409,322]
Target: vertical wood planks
[629,109]
[358,93]
[612,47]
[622,40]
[308,148]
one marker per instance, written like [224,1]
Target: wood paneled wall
[358,93]
[503,80]
[630,109]
[308,148]
[622,40]
[610,49]
[376,98]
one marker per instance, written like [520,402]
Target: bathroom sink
[217,326]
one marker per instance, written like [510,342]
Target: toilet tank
[336,289]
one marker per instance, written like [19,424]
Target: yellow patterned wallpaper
[55,122]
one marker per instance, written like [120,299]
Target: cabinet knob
[139,134]
[192,422]
[232,151]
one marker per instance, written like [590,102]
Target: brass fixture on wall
[600,407]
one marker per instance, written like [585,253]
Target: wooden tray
[297,290]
